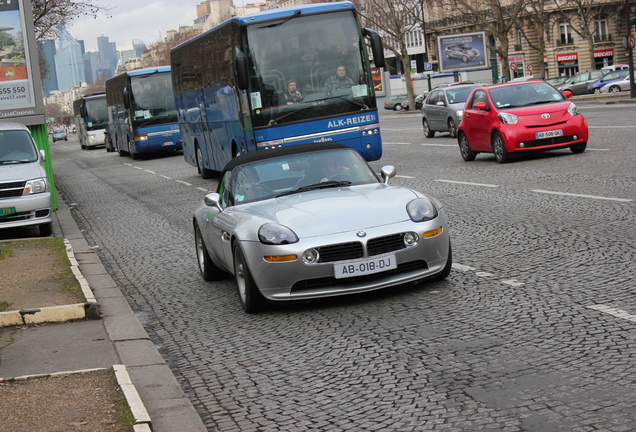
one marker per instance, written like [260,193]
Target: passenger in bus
[338,81]
[291,95]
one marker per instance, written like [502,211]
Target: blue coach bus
[230,84]
[141,111]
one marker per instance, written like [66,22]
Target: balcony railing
[603,38]
[560,42]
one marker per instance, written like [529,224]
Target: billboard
[463,51]
[20,85]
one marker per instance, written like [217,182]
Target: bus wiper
[147,75]
[275,121]
[294,15]
[324,185]
[361,105]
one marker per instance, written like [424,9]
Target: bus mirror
[126,100]
[242,70]
[376,46]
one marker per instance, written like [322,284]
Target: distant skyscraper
[49,80]
[69,64]
[139,46]
[107,55]
[91,65]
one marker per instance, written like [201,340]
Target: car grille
[549,141]
[328,282]
[11,190]
[355,250]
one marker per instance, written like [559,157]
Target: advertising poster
[15,84]
[463,51]
[376,73]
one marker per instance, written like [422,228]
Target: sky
[126,20]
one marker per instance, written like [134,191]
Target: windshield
[153,101]
[307,67]
[520,95]
[298,173]
[96,113]
[17,146]
[458,95]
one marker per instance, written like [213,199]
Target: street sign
[428,66]
[632,41]
[513,66]
[530,67]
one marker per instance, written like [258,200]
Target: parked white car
[617,86]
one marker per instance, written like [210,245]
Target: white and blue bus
[141,112]
[230,84]
[91,119]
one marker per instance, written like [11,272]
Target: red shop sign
[604,53]
[567,57]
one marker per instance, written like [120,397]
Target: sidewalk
[118,338]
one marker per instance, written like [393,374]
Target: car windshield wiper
[324,185]
[541,102]
[7,162]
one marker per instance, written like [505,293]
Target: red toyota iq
[509,119]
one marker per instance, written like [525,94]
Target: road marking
[202,189]
[151,172]
[512,282]
[484,274]
[405,177]
[467,183]
[618,313]
[581,196]
[166,177]
[462,267]
[396,143]
[184,182]
[439,145]
[589,149]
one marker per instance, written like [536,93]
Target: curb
[135,404]
[57,314]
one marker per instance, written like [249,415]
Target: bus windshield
[152,99]
[96,113]
[307,67]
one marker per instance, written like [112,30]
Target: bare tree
[48,15]
[536,17]
[99,85]
[393,19]
[53,111]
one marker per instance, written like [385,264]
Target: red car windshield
[526,94]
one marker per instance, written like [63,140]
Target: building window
[602,35]
[566,36]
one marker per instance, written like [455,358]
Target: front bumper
[523,138]
[295,280]
[29,210]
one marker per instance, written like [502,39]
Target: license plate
[7,211]
[364,267]
[549,134]
[167,143]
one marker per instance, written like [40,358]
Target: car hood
[21,171]
[329,211]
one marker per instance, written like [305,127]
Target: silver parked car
[313,220]
[443,109]
[25,196]
[617,86]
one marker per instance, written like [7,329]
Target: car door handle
[225,236]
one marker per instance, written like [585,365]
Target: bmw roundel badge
[361,234]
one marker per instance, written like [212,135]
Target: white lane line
[512,282]
[618,313]
[405,177]
[581,196]
[151,172]
[184,182]
[589,149]
[484,274]
[439,145]
[166,177]
[464,268]
[202,189]
[467,183]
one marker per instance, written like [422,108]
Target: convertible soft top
[281,151]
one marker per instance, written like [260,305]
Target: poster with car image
[463,51]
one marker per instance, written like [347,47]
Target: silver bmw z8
[313,220]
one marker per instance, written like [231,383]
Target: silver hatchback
[25,197]
[443,109]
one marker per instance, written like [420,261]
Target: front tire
[499,148]
[578,148]
[614,89]
[204,172]
[397,107]
[251,299]
[428,133]
[467,154]
[209,271]
[452,128]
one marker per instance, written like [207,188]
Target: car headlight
[507,118]
[35,186]
[421,209]
[573,110]
[276,234]
[460,113]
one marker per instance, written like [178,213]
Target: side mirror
[242,70]
[126,99]
[212,200]
[568,94]
[480,106]
[388,172]
[42,155]
[440,103]
[376,46]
